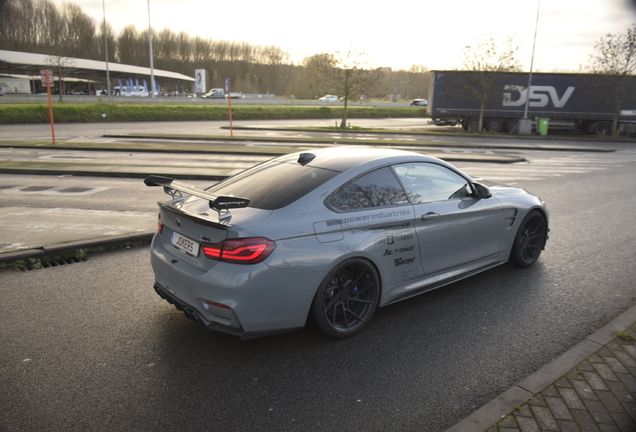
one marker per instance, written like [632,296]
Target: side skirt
[421,287]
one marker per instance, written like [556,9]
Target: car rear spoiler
[176,190]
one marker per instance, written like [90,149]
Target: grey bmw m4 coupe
[330,235]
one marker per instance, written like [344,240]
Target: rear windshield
[274,185]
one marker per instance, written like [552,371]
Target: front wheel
[347,298]
[530,239]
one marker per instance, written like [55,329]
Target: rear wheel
[511,125]
[602,128]
[495,125]
[472,124]
[530,239]
[347,298]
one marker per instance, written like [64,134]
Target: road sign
[47,77]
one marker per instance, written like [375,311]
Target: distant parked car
[2,92]
[329,98]
[77,92]
[214,94]
[419,102]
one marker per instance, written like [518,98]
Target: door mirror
[481,191]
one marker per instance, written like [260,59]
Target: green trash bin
[543,125]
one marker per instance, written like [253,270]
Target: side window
[378,188]
[427,182]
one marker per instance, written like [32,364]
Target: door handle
[430,216]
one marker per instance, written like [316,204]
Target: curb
[504,404]
[353,141]
[71,247]
[116,174]
[400,131]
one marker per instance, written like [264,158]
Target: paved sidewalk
[592,387]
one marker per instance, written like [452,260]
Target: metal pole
[534,42]
[106,51]
[152,69]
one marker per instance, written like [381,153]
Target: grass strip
[103,112]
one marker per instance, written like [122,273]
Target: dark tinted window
[379,188]
[274,185]
[427,182]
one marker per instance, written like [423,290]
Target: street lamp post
[525,124]
[152,69]
[106,52]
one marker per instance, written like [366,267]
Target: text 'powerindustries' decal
[375,216]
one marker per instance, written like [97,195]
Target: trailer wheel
[472,124]
[602,128]
[511,125]
[495,125]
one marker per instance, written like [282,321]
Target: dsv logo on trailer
[540,96]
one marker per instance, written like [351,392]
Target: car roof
[342,159]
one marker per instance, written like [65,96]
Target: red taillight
[239,251]
[159,224]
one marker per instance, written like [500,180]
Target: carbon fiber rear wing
[176,189]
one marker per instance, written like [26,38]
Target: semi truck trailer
[588,103]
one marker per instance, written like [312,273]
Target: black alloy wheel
[530,239]
[347,298]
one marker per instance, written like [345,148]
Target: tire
[602,128]
[530,239]
[511,125]
[347,298]
[472,124]
[495,125]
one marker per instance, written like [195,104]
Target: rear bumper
[195,316]
[243,300]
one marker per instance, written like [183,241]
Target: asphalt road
[89,346]
[94,132]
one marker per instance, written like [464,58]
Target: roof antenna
[305,158]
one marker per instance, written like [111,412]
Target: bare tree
[61,66]
[80,39]
[310,78]
[615,58]
[111,40]
[486,60]
[351,76]
[50,24]
[17,31]
[130,46]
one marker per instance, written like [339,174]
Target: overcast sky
[394,34]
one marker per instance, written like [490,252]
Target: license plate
[184,244]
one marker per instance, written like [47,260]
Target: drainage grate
[35,264]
